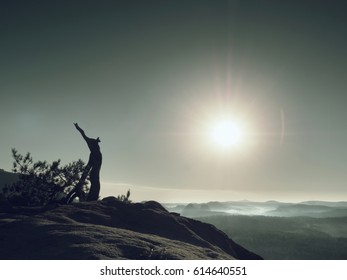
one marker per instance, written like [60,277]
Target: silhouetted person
[94,165]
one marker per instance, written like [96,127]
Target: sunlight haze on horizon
[193,101]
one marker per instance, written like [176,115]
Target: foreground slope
[110,229]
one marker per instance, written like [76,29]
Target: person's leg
[94,185]
[77,191]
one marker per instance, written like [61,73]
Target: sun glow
[226,133]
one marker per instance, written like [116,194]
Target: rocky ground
[110,229]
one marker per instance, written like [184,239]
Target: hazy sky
[147,77]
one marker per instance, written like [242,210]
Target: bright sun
[227,133]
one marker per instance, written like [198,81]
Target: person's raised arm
[81,131]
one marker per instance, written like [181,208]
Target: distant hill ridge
[319,209]
[7,178]
[314,210]
[110,229]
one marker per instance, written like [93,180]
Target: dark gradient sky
[145,76]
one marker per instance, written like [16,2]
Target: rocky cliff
[110,229]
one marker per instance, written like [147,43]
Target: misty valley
[278,231]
